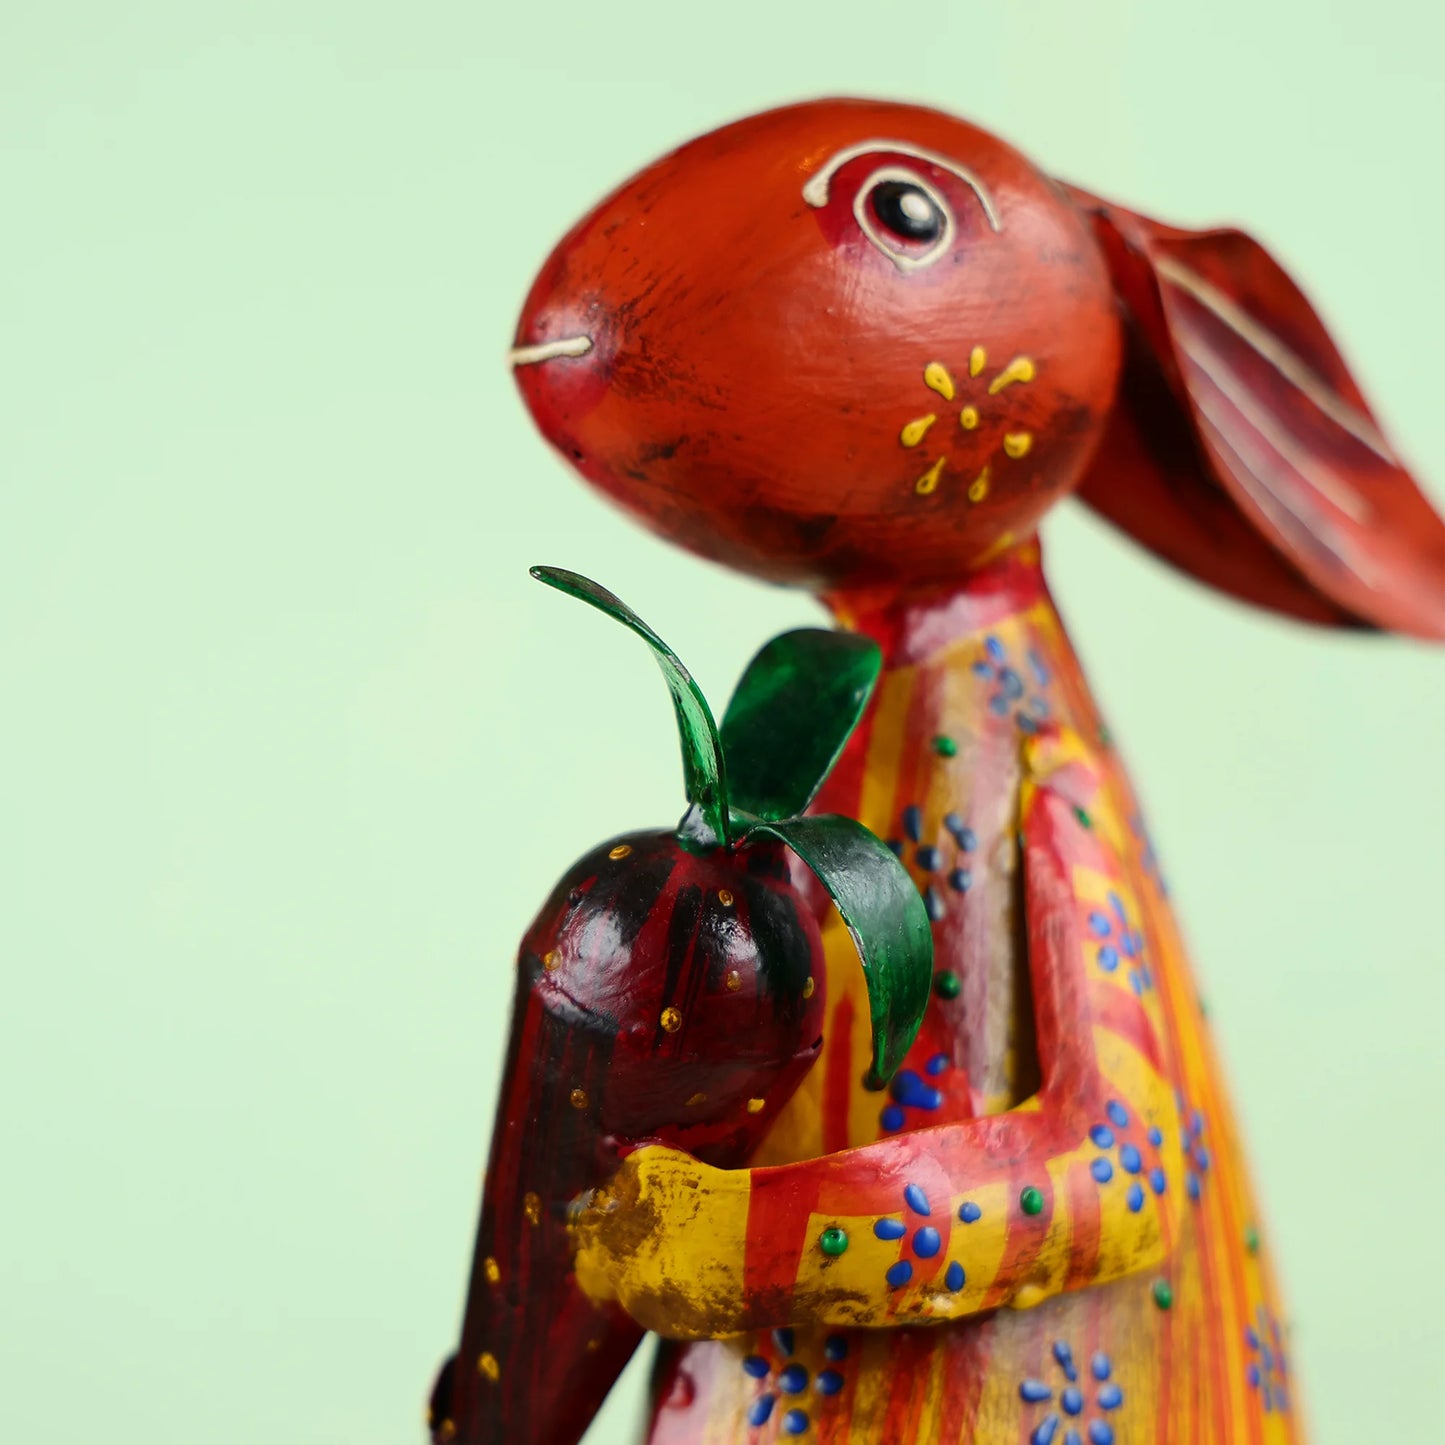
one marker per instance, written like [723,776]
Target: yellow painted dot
[488,1365]
[755,1106]
[620,851]
[916,430]
[671,1020]
[1017,443]
[937,378]
[578,1098]
[734,980]
[725,897]
[968,418]
[492,1270]
[977,360]
[978,488]
[446,1431]
[593,1345]
[696,1099]
[552,961]
[1021,368]
[532,1208]
[809,987]
[928,482]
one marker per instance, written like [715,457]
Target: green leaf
[798,702]
[886,917]
[703,770]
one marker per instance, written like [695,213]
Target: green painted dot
[945,746]
[946,984]
[833,1241]
[1163,1294]
[1031,1201]
[1083,817]
[1251,1239]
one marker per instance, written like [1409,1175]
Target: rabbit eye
[908,211]
[904,217]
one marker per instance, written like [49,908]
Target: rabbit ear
[1240,448]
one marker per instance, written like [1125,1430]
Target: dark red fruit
[663,995]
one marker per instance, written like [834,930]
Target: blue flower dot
[915,1199]
[1102,1135]
[954,1277]
[899,1274]
[1102,1170]
[926,1243]
[755,1366]
[1157,1180]
[938,1064]
[1130,1158]
[1135,1198]
[909,1090]
[1072,1400]
[1117,1113]
[760,1410]
[969,1212]
[835,1347]
[793,1380]
[829,1382]
[1101,1366]
[892,1119]
[1065,1356]
[795,1422]
[1155,1137]
[889,1229]
[1101,1433]
[783,1339]
[1035,1392]
[1110,1397]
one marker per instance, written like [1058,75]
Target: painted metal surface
[863,348]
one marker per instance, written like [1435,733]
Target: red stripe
[1084,1212]
[838,1078]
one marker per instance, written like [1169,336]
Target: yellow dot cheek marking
[488,1366]
[937,377]
[916,430]
[978,488]
[492,1270]
[1021,368]
[968,418]
[977,360]
[532,1208]
[928,482]
[1017,443]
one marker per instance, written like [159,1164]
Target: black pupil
[908,211]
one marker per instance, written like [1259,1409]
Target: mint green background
[292,748]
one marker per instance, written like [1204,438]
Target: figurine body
[863,348]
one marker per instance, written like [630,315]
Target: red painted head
[837,344]
[858,345]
